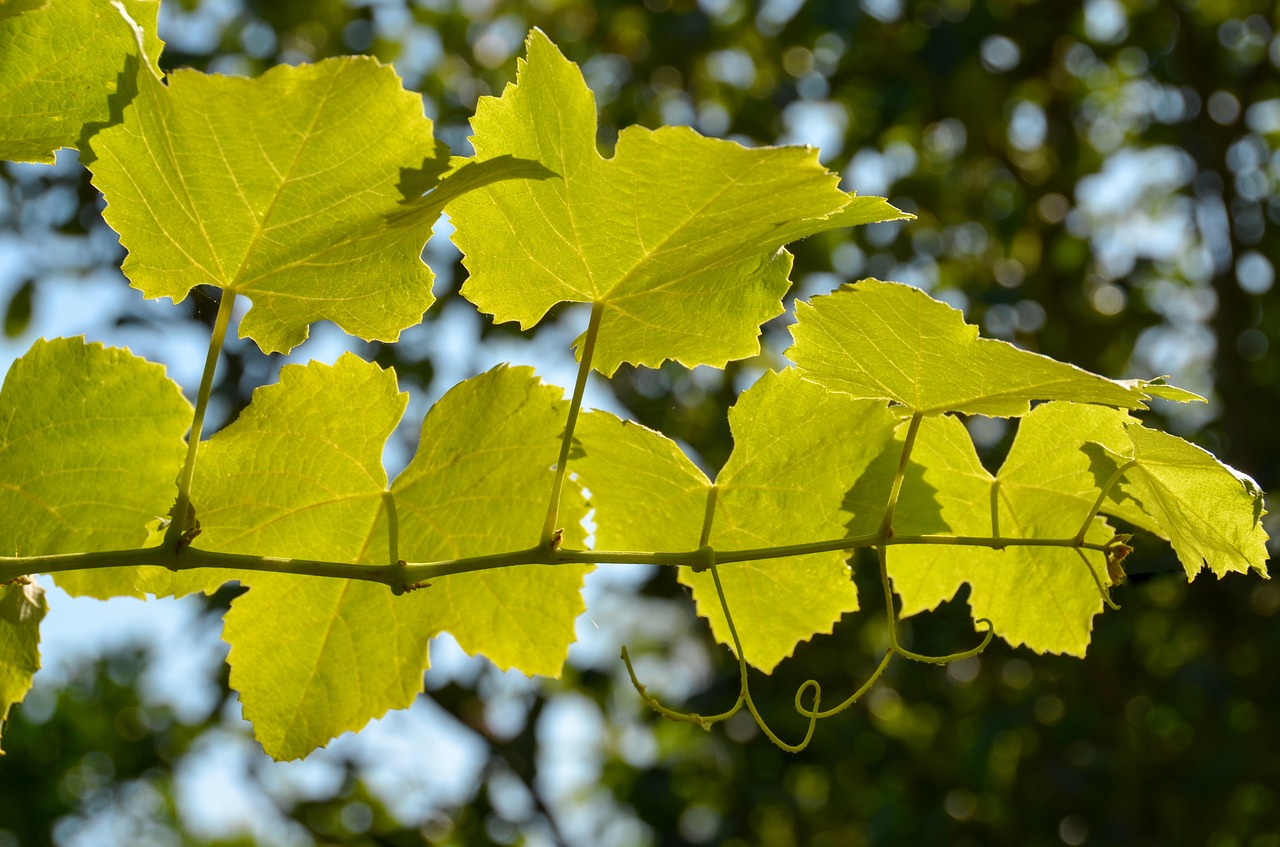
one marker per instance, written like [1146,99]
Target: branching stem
[411,574]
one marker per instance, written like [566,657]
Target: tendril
[951,657]
[704,721]
[1103,591]
[848,701]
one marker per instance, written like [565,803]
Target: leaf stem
[179,523]
[886,525]
[393,527]
[1102,497]
[575,406]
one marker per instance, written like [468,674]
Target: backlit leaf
[299,189]
[797,451]
[91,441]
[1211,513]
[1044,598]
[56,89]
[22,607]
[299,474]
[676,235]
[480,483]
[884,339]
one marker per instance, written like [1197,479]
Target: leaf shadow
[1102,466]
[918,511]
[127,88]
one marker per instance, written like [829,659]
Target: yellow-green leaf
[797,450]
[22,607]
[883,339]
[290,189]
[1041,597]
[1210,512]
[480,483]
[299,474]
[677,236]
[91,441]
[67,68]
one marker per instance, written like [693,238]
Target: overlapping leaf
[299,189]
[1043,597]
[91,440]
[315,657]
[677,236]
[56,87]
[299,474]
[479,484]
[881,339]
[22,607]
[1211,513]
[797,450]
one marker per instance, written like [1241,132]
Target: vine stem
[549,526]
[412,574]
[179,523]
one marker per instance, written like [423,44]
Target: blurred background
[1096,181]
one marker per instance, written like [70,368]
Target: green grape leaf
[797,451]
[686,267]
[22,607]
[91,440]
[67,69]
[882,339]
[299,189]
[480,483]
[1041,597]
[647,494]
[1210,512]
[299,474]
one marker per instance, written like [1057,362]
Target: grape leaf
[686,267]
[883,339]
[22,607]
[480,483]
[58,86]
[91,440]
[1210,512]
[299,189]
[1045,598]
[315,657]
[311,657]
[797,450]
[646,492]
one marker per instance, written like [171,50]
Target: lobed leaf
[1210,512]
[480,483]
[797,450]
[22,607]
[313,657]
[91,440]
[68,68]
[299,189]
[893,341]
[310,657]
[687,267]
[1045,598]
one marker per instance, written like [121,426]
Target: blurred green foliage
[1095,181]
